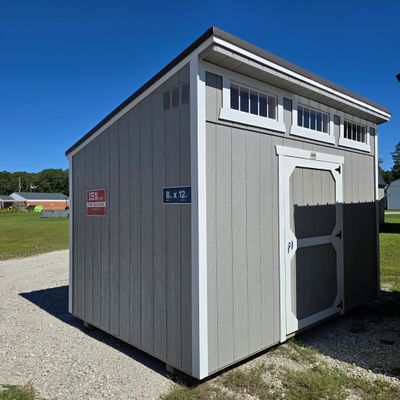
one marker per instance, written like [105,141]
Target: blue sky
[64,65]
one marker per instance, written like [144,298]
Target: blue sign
[177,195]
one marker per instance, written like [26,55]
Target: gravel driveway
[42,344]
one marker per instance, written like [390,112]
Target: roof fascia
[300,78]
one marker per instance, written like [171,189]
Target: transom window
[252,101]
[312,119]
[354,131]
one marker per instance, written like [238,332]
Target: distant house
[382,185]
[6,201]
[393,195]
[49,201]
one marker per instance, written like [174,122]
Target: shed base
[171,370]
[88,326]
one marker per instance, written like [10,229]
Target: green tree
[52,180]
[386,175]
[396,162]
[48,180]
[6,182]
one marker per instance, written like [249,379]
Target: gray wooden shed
[229,203]
[393,195]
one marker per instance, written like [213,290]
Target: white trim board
[199,220]
[70,252]
[299,77]
[288,160]
[308,154]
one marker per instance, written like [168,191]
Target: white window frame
[241,117]
[309,133]
[354,144]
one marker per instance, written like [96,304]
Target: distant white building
[393,195]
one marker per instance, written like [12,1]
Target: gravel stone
[42,344]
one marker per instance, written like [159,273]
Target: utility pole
[19,184]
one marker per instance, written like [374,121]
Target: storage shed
[229,203]
[393,195]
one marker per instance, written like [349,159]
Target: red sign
[96,202]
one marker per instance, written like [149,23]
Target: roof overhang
[242,61]
[218,47]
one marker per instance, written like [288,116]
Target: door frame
[315,158]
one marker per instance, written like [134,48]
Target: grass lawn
[25,234]
[302,374]
[390,252]
[12,392]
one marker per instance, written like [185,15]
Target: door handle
[290,246]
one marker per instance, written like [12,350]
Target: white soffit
[234,58]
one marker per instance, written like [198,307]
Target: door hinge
[340,305]
[338,169]
[339,235]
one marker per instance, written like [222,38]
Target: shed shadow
[390,227]
[55,302]
[368,336]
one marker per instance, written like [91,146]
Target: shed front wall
[131,269]
[243,230]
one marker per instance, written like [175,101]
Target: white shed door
[312,240]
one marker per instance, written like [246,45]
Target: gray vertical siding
[132,268]
[242,230]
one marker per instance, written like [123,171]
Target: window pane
[271,107]
[300,116]
[359,133]
[325,123]
[319,122]
[244,100]
[175,97]
[254,103]
[312,121]
[185,94]
[166,100]
[363,135]
[346,132]
[263,106]
[234,97]
[354,129]
[306,118]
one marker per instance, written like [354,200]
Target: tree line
[393,173]
[57,181]
[46,181]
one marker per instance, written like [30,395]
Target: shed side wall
[132,268]
[242,222]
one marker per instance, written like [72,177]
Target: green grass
[390,252]
[205,391]
[249,382]
[311,379]
[12,392]
[322,382]
[26,234]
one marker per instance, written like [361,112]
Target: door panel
[312,199]
[313,261]
[314,288]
